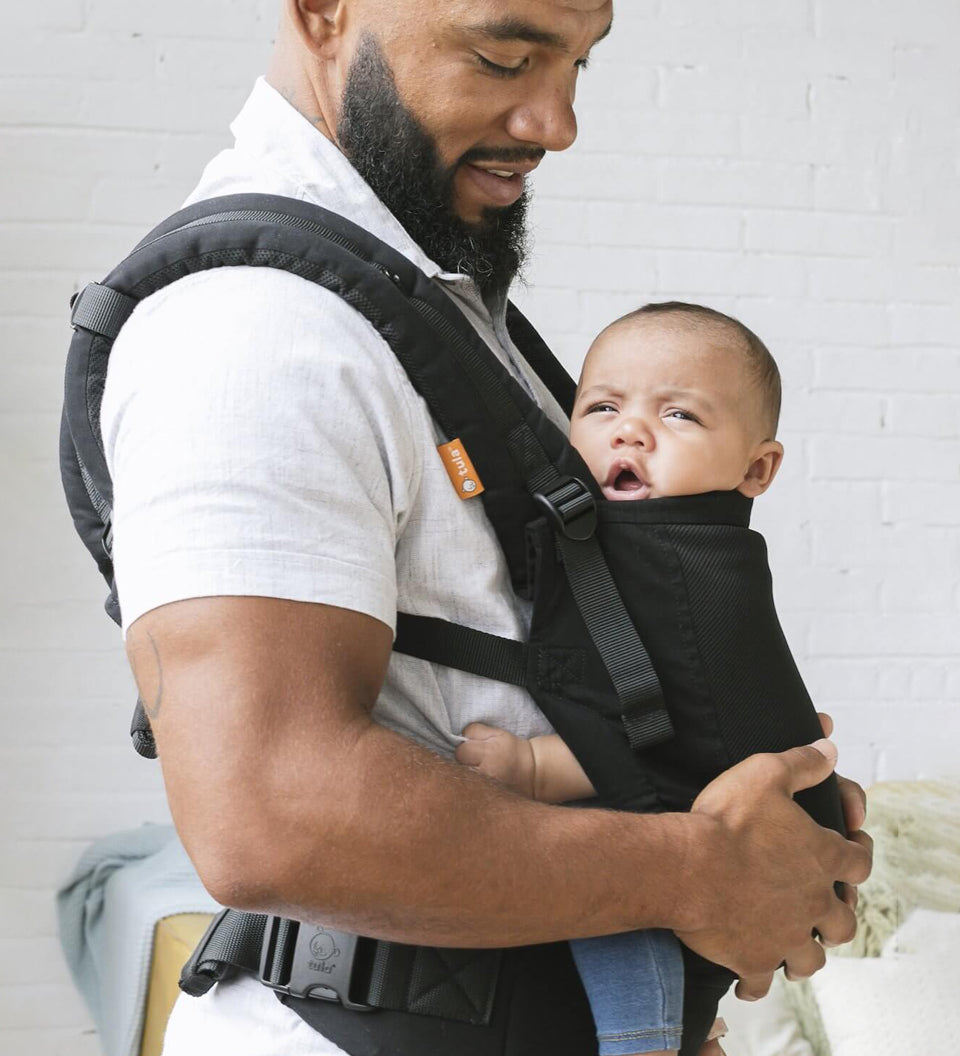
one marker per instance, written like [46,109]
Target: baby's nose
[633,431]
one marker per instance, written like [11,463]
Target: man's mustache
[505,154]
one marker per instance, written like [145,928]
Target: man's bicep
[258,444]
[235,688]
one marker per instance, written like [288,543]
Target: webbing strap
[463,648]
[625,656]
[233,940]
[303,960]
[101,309]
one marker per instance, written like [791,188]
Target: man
[278,499]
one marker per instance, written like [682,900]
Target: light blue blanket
[122,885]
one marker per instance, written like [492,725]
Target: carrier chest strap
[463,648]
[315,961]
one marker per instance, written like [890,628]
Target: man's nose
[545,117]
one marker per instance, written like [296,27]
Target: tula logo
[324,948]
[460,469]
[456,457]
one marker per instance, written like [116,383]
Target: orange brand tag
[460,469]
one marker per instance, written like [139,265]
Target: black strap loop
[101,310]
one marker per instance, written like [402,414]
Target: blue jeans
[635,985]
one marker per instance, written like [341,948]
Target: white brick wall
[794,162]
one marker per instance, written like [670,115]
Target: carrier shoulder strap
[373,278]
[526,464]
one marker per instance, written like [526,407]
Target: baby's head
[678,399]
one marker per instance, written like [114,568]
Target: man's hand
[853,801]
[770,884]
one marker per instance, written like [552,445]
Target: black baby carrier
[654,649]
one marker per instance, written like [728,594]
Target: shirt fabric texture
[263,440]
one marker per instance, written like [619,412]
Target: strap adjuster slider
[571,508]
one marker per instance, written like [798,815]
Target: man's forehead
[559,23]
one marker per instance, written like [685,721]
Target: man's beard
[398,158]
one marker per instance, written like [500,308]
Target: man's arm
[291,800]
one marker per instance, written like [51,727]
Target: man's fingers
[806,766]
[802,963]
[857,858]
[854,802]
[826,723]
[753,987]
[838,925]
[849,895]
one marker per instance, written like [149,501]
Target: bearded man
[278,499]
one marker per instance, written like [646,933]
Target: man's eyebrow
[506,29]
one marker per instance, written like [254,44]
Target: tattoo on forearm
[153,709]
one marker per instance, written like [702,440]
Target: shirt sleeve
[262,440]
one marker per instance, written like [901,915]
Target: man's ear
[764,463]
[318,22]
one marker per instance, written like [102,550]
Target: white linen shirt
[263,440]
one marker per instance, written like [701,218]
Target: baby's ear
[764,463]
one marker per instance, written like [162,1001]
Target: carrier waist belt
[315,961]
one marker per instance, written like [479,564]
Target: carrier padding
[407,309]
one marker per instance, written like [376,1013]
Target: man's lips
[501,183]
[625,482]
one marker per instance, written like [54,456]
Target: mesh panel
[762,704]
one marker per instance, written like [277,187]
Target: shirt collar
[271,129]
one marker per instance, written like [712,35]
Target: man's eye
[500,71]
[583,63]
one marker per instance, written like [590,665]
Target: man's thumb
[810,764]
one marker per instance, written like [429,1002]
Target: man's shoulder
[241,312]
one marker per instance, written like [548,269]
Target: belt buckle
[309,960]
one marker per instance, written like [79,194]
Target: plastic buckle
[571,507]
[309,960]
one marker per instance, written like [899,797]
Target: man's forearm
[290,799]
[422,851]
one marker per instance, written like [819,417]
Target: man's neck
[295,86]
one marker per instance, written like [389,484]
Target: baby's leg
[635,986]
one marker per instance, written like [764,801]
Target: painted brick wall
[793,162]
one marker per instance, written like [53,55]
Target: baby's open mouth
[627,480]
[623,482]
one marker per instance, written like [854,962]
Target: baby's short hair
[761,363]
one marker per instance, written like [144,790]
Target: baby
[673,399]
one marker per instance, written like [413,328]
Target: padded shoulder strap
[468,390]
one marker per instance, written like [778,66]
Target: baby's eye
[682,416]
[601,407]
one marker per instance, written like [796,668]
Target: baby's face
[668,410]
